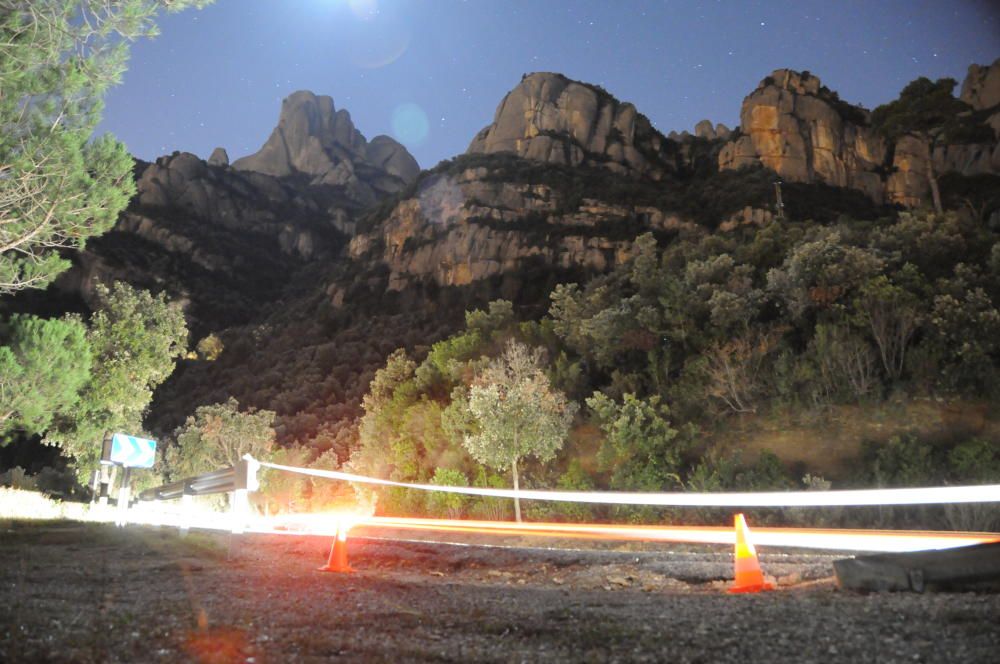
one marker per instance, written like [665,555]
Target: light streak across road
[847,498]
[806,538]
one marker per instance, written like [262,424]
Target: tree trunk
[932,179]
[517,499]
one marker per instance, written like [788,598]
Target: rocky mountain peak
[804,132]
[548,117]
[981,88]
[801,83]
[316,140]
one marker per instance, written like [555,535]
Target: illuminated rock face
[550,118]
[981,88]
[471,227]
[315,140]
[801,130]
[794,126]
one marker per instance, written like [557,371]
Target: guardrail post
[239,511]
[123,498]
[185,523]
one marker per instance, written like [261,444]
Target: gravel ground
[90,593]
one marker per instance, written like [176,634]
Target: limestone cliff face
[981,88]
[465,228]
[315,140]
[792,125]
[795,126]
[550,118]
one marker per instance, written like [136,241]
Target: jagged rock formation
[219,157]
[705,129]
[799,129]
[319,143]
[533,191]
[795,126]
[221,241]
[981,88]
[550,118]
[297,218]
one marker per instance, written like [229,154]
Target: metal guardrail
[225,480]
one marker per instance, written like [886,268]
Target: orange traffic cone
[338,553]
[749,578]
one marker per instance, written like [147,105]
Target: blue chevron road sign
[132,451]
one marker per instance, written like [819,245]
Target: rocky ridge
[467,227]
[803,131]
[317,142]
[548,117]
[224,238]
[219,240]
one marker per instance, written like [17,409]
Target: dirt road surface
[72,592]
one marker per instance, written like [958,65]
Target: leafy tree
[846,364]
[284,490]
[442,370]
[219,435]
[818,274]
[635,322]
[57,187]
[640,448]
[966,331]
[735,369]
[926,110]
[449,504]
[390,393]
[210,348]
[519,414]
[43,365]
[135,337]
[892,315]
[499,314]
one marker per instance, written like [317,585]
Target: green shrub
[451,505]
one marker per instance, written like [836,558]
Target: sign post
[123,497]
[128,452]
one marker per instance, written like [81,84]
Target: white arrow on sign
[132,451]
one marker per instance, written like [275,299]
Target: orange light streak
[809,538]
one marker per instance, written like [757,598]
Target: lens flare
[409,124]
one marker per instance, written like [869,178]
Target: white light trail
[986,493]
[831,539]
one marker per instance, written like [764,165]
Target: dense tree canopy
[219,435]
[58,187]
[43,365]
[135,338]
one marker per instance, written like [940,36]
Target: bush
[450,505]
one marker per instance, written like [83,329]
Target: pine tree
[57,186]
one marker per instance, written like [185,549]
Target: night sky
[431,72]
